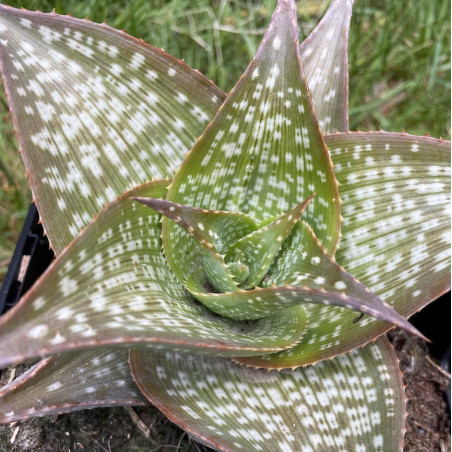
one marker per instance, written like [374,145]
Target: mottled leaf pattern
[396,230]
[112,286]
[325,63]
[396,235]
[234,408]
[263,153]
[303,273]
[261,302]
[39,72]
[73,381]
[96,112]
[210,227]
[305,263]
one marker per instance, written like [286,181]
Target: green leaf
[48,73]
[325,63]
[134,306]
[258,249]
[233,234]
[396,230]
[212,233]
[305,262]
[96,112]
[355,402]
[73,381]
[111,285]
[261,302]
[219,229]
[303,273]
[54,64]
[263,153]
[396,235]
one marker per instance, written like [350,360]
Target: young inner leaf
[258,249]
[212,232]
[246,261]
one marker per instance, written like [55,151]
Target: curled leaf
[263,153]
[258,249]
[396,231]
[212,233]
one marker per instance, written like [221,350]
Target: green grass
[399,65]
[400,71]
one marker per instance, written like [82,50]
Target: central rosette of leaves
[261,155]
[247,270]
[223,254]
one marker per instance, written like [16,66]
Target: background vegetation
[399,65]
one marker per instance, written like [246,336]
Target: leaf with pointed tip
[45,53]
[308,274]
[44,56]
[355,402]
[258,249]
[111,285]
[261,302]
[213,232]
[218,228]
[228,232]
[96,112]
[251,304]
[325,313]
[396,231]
[325,63]
[396,235]
[263,153]
[73,381]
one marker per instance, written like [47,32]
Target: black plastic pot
[434,322]
[30,259]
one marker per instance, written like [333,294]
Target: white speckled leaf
[302,273]
[111,285]
[303,263]
[325,63]
[96,112]
[354,403]
[261,302]
[397,219]
[210,227]
[396,236]
[236,236]
[73,381]
[211,232]
[263,153]
[61,67]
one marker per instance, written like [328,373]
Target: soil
[146,429]
[98,430]
[428,420]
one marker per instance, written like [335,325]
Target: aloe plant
[212,294]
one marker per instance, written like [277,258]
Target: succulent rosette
[209,283]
